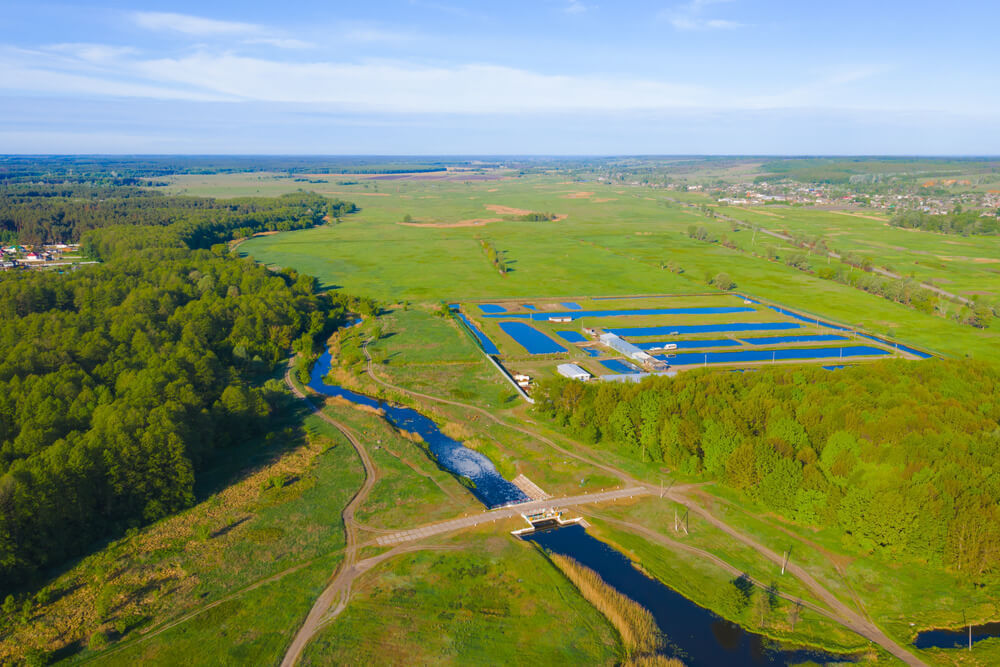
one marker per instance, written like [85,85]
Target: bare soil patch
[756,210]
[507,210]
[859,215]
[354,194]
[578,195]
[475,222]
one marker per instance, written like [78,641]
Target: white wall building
[573,372]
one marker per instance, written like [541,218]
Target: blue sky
[542,77]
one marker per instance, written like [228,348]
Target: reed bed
[640,635]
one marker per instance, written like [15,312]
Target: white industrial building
[618,344]
[573,372]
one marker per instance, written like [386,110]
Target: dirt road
[340,588]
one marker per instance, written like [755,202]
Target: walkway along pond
[695,634]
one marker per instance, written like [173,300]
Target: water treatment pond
[694,634]
[956,638]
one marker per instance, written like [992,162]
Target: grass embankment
[638,630]
[901,598]
[277,515]
[450,366]
[490,600]
[710,586]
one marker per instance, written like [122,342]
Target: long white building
[618,344]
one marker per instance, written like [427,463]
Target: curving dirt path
[847,616]
[340,588]
[621,475]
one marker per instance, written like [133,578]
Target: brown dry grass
[137,583]
[859,215]
[634,623]
[578,195]
[507,210]
[475,222]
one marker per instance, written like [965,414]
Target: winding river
[694,634]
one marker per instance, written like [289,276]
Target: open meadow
[613,240]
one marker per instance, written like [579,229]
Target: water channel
[695,634]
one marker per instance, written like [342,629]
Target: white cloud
[94,53]
[200,27]
[192,25]
[397,87]
[575,7]
[280,42]
[691,16]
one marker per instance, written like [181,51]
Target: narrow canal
[694,634]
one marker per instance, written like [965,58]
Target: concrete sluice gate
[544,520]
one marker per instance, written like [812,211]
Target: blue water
[918,353]
[571,305]
[803,338]
[837,367]
[689,344]
[695,634]
[576,314]
[810,320]
[491,308]
[704,328]
[776,355]
[572,336]
[490,487]
[956,638]
[619,366]
[487,344]
[531,339]
[529,306]
[592,352]
[692,633]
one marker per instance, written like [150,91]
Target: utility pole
[784,563]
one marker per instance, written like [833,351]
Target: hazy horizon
[562,77]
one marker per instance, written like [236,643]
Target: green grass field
[494,600]
[614,240]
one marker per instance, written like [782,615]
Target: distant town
[14,257]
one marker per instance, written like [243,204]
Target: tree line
[897,457]
[966,223]
[36,214]
[118,381]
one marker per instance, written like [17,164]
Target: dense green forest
[119,380]
[63,213]
[959,222]
[899,457]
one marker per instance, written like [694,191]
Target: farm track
[621,475]
[834,255]
[846,616]
[340,588]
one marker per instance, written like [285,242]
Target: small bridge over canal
[508,512]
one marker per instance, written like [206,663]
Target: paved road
[422,532]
